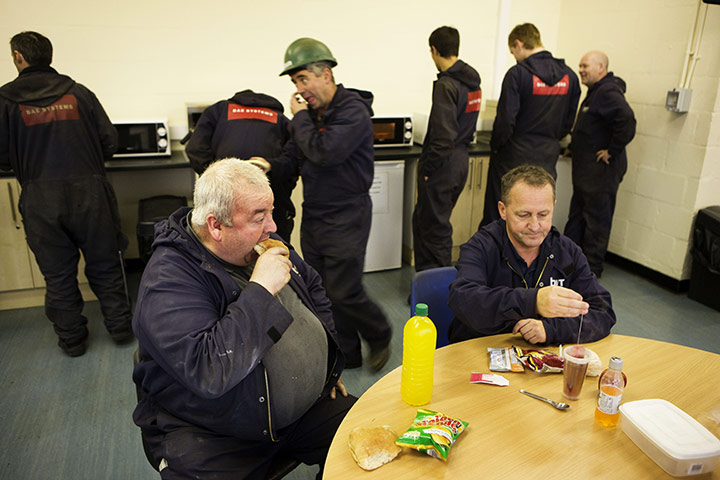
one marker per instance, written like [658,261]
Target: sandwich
[266,245]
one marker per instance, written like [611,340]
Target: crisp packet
[504,359]
[432,433]
[541,361]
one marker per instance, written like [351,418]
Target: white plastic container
[670,437]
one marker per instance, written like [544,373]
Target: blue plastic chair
[431,287]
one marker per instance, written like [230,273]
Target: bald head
[593,67]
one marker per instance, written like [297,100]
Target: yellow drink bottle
[419,337]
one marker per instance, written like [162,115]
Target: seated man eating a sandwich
[239,360]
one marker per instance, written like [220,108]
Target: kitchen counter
[393,153]
[178,159]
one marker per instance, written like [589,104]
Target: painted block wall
[150,58]
[674,160]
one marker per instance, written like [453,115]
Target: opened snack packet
[432,433]
[504,359]
[541,361]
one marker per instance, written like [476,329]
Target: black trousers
[492,193]
[193,452]
[589,224]
[334,245]
[61,219]
[284,222]
[436,198]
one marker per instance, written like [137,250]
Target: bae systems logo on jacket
[240,112]
[474,101]
[63,109]
[560,88]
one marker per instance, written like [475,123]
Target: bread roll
[265,245]
[373,447]
[594,365]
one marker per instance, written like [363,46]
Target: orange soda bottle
[612,385]
[419,337]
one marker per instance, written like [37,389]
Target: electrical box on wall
[678,100]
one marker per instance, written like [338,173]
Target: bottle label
[609,404]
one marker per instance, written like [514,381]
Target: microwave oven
[392,131]
[142,138]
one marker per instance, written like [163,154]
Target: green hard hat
[304,51]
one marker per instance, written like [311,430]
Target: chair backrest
[431,288]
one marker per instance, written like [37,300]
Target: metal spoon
[558,405]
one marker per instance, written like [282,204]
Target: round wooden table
[514,436]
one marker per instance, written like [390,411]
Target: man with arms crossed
[239,357]
[520,275]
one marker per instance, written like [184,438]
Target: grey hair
[220,187]
[318,67]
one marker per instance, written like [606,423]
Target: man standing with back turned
[332,144]
[443,165]
[55,135]
[536,109]
[247,125]
[604,126]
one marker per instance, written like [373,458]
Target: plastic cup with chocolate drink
[576,364]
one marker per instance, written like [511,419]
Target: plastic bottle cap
[616,363]
[421,310]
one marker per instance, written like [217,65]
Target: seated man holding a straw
[520,275]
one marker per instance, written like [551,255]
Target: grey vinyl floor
[70,418]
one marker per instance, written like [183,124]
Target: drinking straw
[579,329]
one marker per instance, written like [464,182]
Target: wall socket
[678,100]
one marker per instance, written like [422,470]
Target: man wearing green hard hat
[332,144]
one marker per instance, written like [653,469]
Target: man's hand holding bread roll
[272,269]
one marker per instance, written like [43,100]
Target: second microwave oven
[392,131]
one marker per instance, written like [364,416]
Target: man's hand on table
[532,330]
[340,386]
[272,270]
[555,301]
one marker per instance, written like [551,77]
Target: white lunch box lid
[670,429]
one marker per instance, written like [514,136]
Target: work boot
[379,357]
[73,349]
[122,335]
